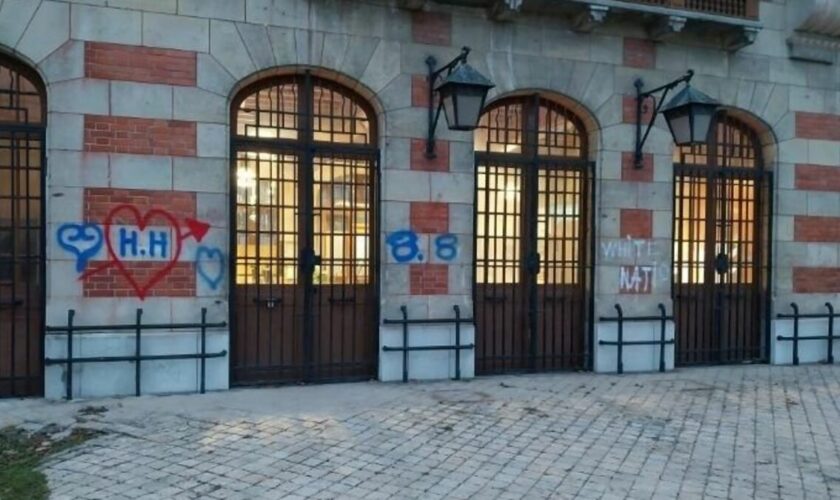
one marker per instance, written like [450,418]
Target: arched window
[721,250]
[22,135]
[304,152]
[532,218]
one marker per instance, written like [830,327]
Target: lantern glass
[462,106]
[689,116]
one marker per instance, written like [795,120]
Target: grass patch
[20,454]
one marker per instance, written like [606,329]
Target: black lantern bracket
[434,113]
[640,100]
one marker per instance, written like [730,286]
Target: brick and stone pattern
[114,68]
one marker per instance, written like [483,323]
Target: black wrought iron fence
[406,348]
[796,338]
[620,319]
[138,327]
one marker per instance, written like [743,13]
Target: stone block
[283,45]
[383,67]
[195,104]
[359,51]
[141,100]
[212,140]
[258,44]
[76,169]
[810,351]
[406,185]
[207,175]
[176,32]
[141,171]
[162,6]
[452,187]
[212,208]
[212,76]
[426,365]
[655,196]
[65,131]
[65,63]
[48,30]
[639,358]
[822,203]
[791,202]
[65,204]
[617,194]
[288,13]
[823,152]
[227,48]
[232,10]
[80,96]
[14,18]
[101,24]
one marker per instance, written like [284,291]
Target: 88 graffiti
[405,247]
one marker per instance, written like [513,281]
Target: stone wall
[139,94]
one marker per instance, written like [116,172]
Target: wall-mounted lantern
[689,114]
[462,94]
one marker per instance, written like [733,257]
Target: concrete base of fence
[94,380]
[810,351]
[637,358]
[425,365]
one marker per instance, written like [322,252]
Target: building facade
[260,166]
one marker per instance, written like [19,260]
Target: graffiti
[628,249]
[129,236]
[210,266]
[636,279]
[84,241]
[405,247]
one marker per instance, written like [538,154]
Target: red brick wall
[99,202]
[628,110]
[636,223]
[433,28]
[639,53]
[817,126]
[139,64]
[813,228]
[440,163]
[111,282]
[817,177]
[111,134]
[419,91]
[630,173]
[429,279]
[429,217]
[816,279]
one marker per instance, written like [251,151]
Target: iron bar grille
[22,134]
[721,259]
[305,244]
[532,217]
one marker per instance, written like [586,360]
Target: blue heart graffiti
[210,265]
[82,240]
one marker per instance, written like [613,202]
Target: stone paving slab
[728,432]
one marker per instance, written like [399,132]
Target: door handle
[532,263]
[270,302]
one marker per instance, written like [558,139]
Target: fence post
[830,357]
[404,311]
[69,379]
[457,341]
[137,352]
[662,340]
[795,333]
[203,346]
[619,361]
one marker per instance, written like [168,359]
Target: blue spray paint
[82,240]
[210,265]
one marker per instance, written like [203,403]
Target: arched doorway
[533,230]
[304,245]
[721,247]
[23,114]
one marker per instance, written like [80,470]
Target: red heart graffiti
[142,221]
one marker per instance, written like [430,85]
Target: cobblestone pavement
[731,432]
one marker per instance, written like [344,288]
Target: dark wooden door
[22,135]
[532,223]
[305,302]
[721,254]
